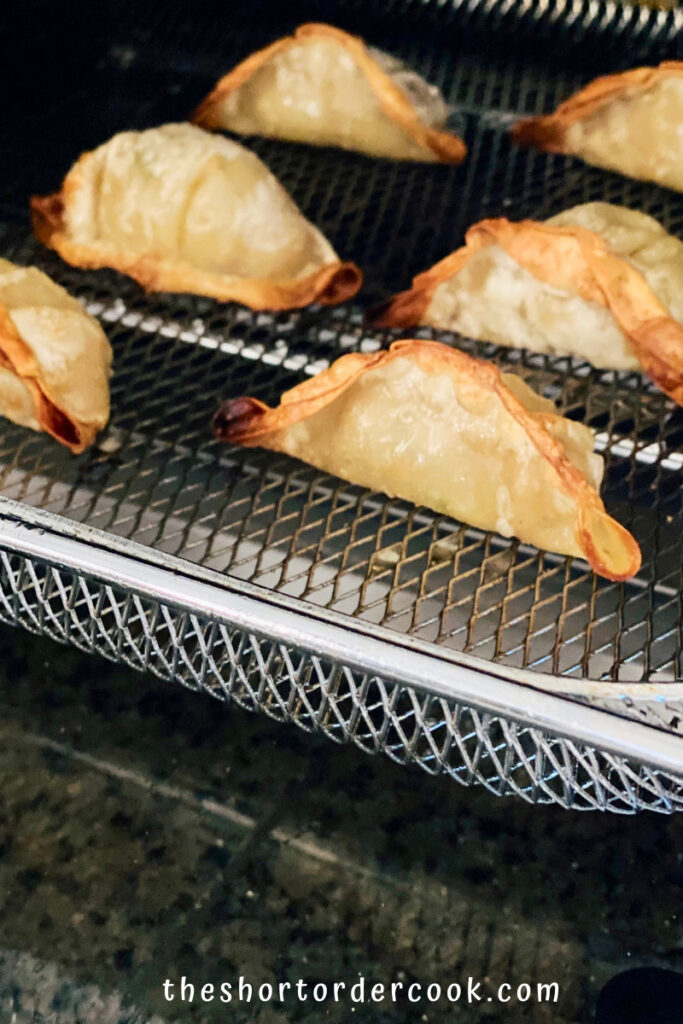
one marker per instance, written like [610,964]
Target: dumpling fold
[630,122]
[428,423]
[325,87]
[598,282]
[55,359]
[181,210]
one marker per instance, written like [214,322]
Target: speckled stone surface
[149,833]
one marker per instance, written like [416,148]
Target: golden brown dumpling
[428,423]
[327,88]
[181,210]
[631,123]
[598,282]
[55,359]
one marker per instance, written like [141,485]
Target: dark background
[146,832]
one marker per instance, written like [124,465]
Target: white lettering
[543,992]
[431,988]
[358,991]
[473,990]
[243,991]
[337,986]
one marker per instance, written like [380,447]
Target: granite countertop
[147,833]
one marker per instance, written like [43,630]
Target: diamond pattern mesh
[157,477]
[297,686]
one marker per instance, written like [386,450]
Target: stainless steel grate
[168,629]
[157,478]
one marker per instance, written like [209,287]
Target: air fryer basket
[158,495]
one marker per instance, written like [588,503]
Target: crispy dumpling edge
[329,285]
[548,131]
[52,420]
[565,257]
[445,146]
[249,422]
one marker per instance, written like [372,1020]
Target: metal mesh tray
[367,617]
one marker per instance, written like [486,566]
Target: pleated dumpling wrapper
[181,210]
[55,359]
[427,423]
[325,87]
[598,282]
[631,123]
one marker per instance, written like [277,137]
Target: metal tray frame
[548,738]
[512,732]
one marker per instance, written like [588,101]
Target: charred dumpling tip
[235,417]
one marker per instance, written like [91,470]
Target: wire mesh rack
[366,617]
